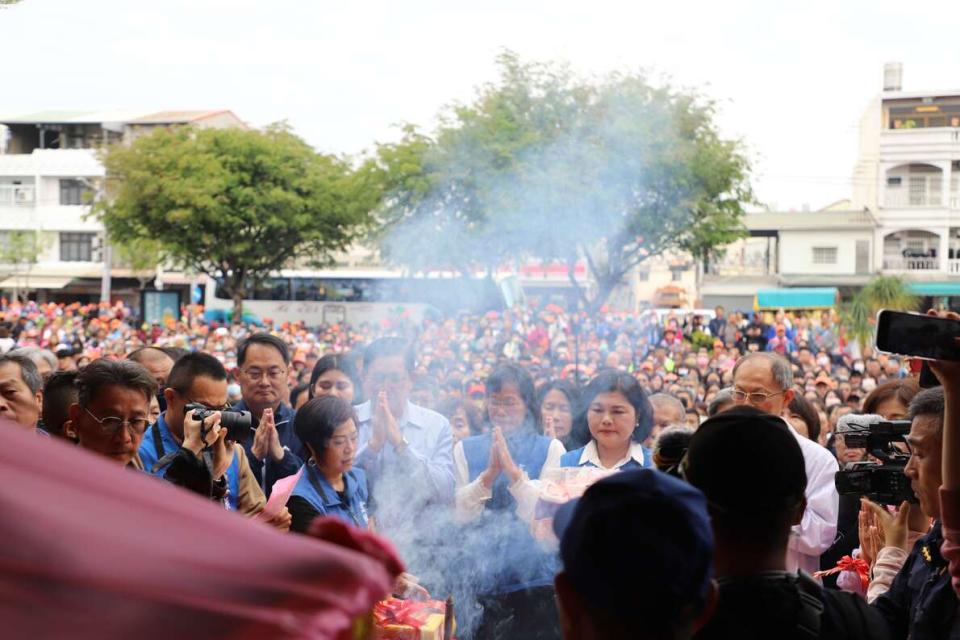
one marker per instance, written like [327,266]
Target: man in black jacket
[751,469]
[921,604]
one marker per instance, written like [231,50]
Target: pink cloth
[92,550]
[950,524]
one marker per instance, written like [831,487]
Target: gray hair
[929,402]
[37,354]
[667,399]
[779,366]
[124,373]
[28,370]
[723,397]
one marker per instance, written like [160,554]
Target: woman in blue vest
[497,491]
[616,417]
[329,484]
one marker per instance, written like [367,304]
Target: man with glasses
[112,409]
[199,378]
[275,451]
[764,381]
[406,450]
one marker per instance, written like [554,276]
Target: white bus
[357,296]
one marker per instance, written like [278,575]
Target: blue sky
[791,80]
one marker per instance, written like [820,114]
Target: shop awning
[35,282]
[935,289]
[797,298]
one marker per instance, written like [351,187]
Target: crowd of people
[725,430]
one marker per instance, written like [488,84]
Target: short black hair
[609,381]
[103,372]
[808,413]
[264,339]
[28,370]
[929,402]
[333,362]
[751,468]
[388,348]
[298,391]
[59,392]
[192,366]
[316,421]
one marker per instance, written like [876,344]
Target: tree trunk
[237,308]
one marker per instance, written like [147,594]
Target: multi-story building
[907,175]
[49,170]
[903,219]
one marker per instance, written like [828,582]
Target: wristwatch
[401,446]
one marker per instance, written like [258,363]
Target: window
[824,255]
[76,247]
[644,276]
[676,275]
[894,181]
[71,192]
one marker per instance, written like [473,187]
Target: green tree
[882,292]
[233,204]
[544,164]
[21,250]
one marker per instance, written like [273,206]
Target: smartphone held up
[917,335]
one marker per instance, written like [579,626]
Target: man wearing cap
[637,553]
[753,508]
[765,381]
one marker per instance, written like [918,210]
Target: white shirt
[471,496]
[592,456]
[818,528]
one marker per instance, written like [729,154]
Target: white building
[907,174]
[48,172]
[903,219]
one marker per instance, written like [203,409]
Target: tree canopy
[545,164]
[233,204]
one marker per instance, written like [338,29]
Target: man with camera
[190,447]
[920,603]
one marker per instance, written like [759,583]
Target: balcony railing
[914,196]
[911,264]
[17,196]
[953,267]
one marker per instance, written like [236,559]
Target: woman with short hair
[615,418]
[329,485]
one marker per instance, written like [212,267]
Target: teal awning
[935,289]
[797,298]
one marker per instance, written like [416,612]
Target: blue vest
[159,441]
[315,489]
[572,459]
[506,557]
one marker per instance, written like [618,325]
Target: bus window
[273,289]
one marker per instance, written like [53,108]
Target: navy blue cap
[638,541]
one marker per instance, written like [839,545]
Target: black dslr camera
[882,482]
[239,424]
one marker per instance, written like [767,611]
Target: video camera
[239,424]
[882,482]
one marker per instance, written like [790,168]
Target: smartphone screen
[912,334]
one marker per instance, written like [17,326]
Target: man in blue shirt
[405,450]
[177,438]
[275,451]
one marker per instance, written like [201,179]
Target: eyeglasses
[756,397]
[509,403]
[274,373]
[111,424]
